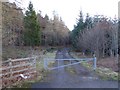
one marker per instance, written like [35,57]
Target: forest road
[81,78]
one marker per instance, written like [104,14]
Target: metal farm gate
[70,62]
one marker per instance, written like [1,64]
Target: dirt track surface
[82,78]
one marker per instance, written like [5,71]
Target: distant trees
[31,29]
[78,29]
[32,33]
[96,35]
[54,32]
[62,32]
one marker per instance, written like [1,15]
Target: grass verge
[102,72]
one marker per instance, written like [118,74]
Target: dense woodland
[34,45]
[17,25]
[96,35]
[91,35]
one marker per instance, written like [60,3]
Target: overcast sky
[69,9]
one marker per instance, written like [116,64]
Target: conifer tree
[32,32]
[78,29]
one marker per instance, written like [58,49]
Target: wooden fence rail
[11,70]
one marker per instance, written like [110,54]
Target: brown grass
[109,62]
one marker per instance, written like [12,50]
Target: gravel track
[82,78]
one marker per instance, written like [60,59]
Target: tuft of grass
[102,72]
[71,70]
[106,74]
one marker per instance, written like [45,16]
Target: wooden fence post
[35,66]
[35,62]
[10,65]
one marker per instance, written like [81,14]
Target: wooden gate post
[35,63]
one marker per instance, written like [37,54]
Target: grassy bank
[103,72]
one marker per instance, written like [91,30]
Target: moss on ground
[70,69]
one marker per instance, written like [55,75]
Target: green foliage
[32,29]
[80,28]
[77,29]
[96,35]
[88,22]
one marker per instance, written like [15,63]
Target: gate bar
[63,66]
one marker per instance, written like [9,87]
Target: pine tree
[88,22]
[80,25]
[78,29]
[32,32]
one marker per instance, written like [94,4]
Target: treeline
[91,35]
[31,28]
[54,32]
[44,31]
[96,35]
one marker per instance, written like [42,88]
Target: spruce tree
[88,22]
[32,29]
[78,29]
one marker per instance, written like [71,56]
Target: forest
[30,38]
[51,31]
[98,34]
